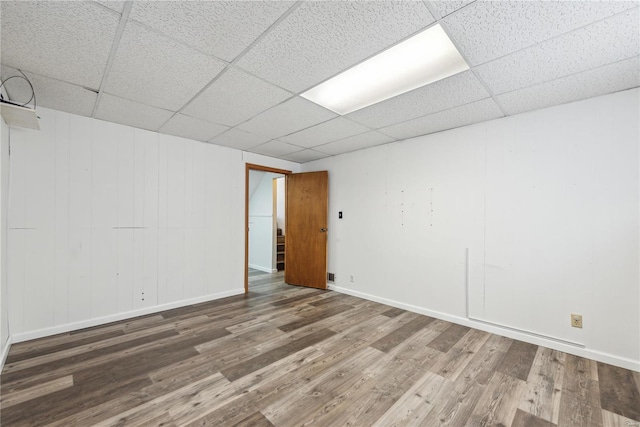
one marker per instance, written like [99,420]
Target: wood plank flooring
[290,356]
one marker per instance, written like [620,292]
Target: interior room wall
[261,223]
[272,162]
[280,204]
[107,222]
[4,197]
[508,226]
[255,176]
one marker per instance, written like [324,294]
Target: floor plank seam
[284,355]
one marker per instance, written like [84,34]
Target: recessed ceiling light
[425,58]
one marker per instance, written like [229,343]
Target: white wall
[262,222]
[261,201]
[4,198]
[107,221]
[280,204]
[272,162]
[544,204]
[255,176]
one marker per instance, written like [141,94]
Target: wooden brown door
[306,229]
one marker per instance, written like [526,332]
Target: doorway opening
[266,223]
[264,220]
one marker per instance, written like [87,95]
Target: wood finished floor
[289,356]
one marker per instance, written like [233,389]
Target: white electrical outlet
[576,320]
[351,278]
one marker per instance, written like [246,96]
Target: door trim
[248,167]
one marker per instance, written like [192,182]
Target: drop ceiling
[231,72]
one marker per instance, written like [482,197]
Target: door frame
[248,167]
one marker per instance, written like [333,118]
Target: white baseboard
[5,352]
[73,326]
[550,342]
[261,268]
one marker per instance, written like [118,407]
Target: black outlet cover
[340,215]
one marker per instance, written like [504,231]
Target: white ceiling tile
[305,156]
[353,143]
[320,39]
[235,97]
[220,28]
[189,127]
[323,133]
[155,70]
[131,113]
[115,5]
[478,111]
[604,42]
[444,8]
[560,51]
[451,92]
[288,117]
[50,93]
[239,139]
[610,78]
[487,30]
[16,87]
[275,148]
[68,41]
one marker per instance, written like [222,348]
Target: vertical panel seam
[92,225]
[133,232]
[484,230]
[55,212]
[69,223]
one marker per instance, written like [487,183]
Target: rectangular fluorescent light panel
[425,58]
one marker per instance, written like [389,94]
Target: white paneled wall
[107,221]
[543,205]
[4,195]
